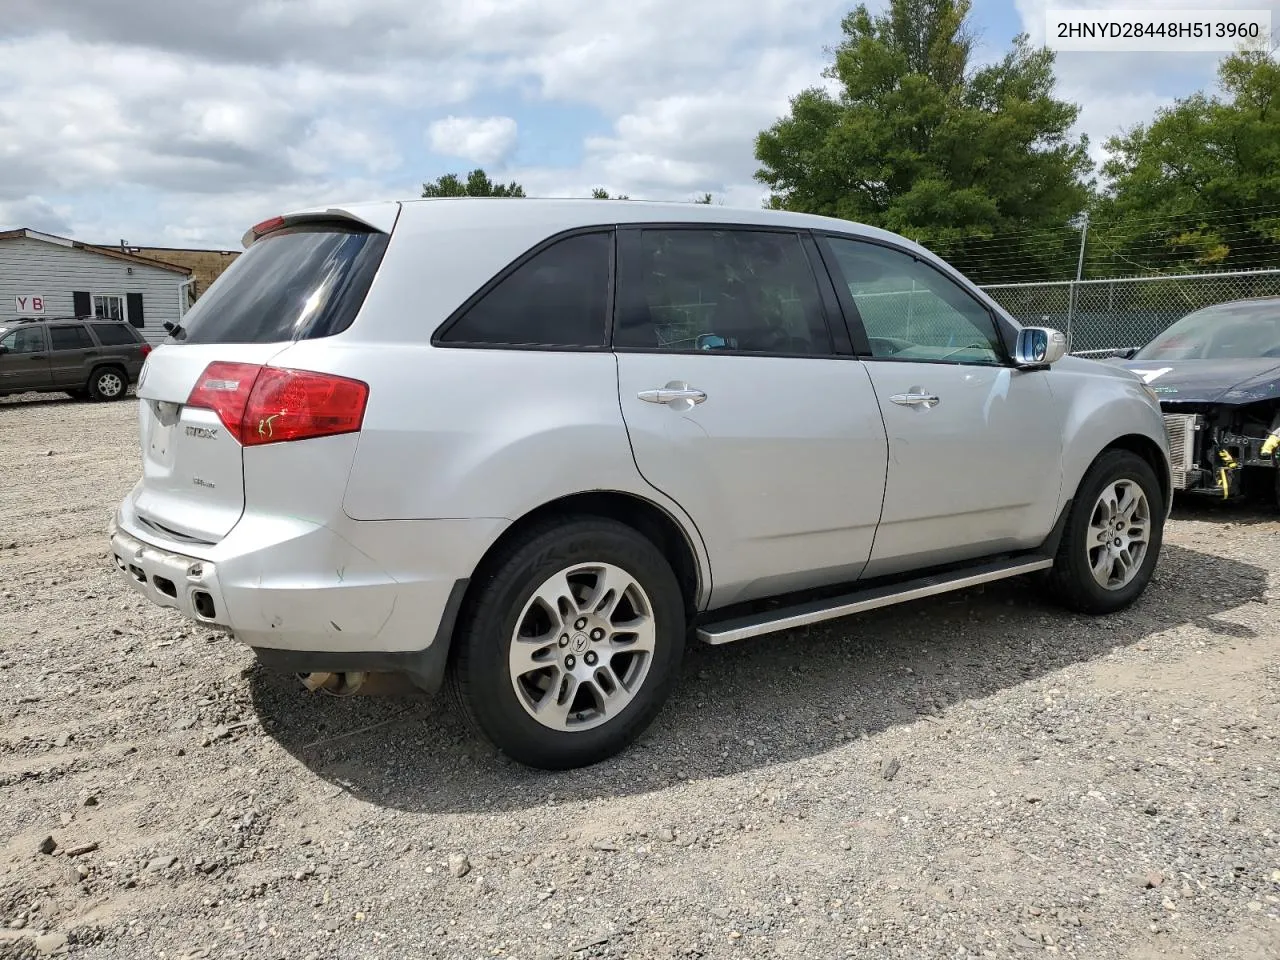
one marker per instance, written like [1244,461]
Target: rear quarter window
[296,283]
[114,334]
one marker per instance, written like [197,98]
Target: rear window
[114,334]
[70,338]
[297,283]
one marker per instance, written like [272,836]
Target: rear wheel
[570,647]
[108,383]
[1113,535]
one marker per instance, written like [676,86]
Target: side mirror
[1039,347]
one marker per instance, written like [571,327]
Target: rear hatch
[203,394]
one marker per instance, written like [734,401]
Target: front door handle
[916,397]
[673,392]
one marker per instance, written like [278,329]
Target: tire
[500,682]
[1072,579]
[108,383]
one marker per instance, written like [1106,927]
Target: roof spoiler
[376,216]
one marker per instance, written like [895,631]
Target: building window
[108,307]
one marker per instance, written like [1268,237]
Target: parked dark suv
[87,357]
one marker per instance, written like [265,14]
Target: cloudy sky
[181,122]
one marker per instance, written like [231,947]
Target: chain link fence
[1101,317]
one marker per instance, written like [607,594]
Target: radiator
[1181,429]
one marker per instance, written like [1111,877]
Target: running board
[870,598]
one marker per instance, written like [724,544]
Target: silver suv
[529,447]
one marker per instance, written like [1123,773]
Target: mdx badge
[204,433]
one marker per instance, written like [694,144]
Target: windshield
[294,284]
[1228,331]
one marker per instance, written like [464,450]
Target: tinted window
[70,338]
[557,298]
[726,290]
[113,334]
[912,311]
[294,284]
[24,340]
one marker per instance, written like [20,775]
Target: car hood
[1210,381]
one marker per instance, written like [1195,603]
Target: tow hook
[336,684]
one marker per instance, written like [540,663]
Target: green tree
[705,198]
[600,193]
[477,184]
[916,141]
[1199,186]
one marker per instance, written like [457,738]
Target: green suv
[88,357]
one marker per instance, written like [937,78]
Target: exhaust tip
[335,684]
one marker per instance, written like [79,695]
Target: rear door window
[70,338]
[296,283]
[728,290]
[114,334]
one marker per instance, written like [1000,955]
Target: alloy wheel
[1119,533]
[582,647]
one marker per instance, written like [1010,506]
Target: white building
[44,275]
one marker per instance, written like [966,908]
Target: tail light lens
[261,405]
[146,349]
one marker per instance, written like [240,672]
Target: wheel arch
[644,516]
[1150,451]
[102,365]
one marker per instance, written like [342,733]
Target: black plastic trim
[425,667]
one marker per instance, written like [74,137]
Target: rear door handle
[673,393]
[37,356]
[91,353]
[916,397]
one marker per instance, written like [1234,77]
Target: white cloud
[209,121]
[35,213]
[482,140]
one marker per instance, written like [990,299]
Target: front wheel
[571,644]
[1113,536]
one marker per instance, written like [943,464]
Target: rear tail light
[261,405]
[146,349]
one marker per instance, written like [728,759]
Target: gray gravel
[980,775]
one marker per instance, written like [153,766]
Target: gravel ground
[980,775]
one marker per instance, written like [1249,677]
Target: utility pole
[1082,222]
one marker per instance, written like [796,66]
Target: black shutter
[82,308]
[134,308]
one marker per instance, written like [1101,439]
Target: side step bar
[869,598]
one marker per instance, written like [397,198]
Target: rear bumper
[305,596]
[167,579]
